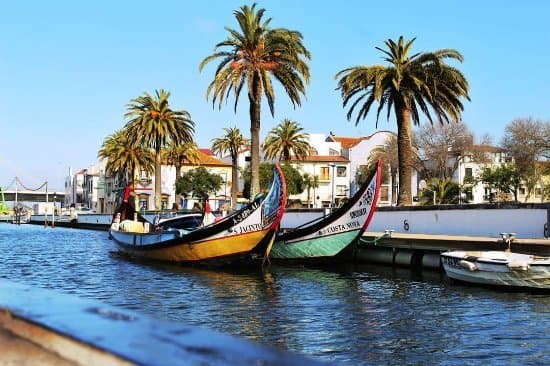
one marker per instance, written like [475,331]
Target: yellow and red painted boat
[242,238]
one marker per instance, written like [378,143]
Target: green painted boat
[330,235]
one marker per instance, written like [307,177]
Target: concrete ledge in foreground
[44,327]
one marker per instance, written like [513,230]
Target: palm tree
[154,123]
[311,181]
[388,154]
[176,155]
[123,158]
[233,141]
[409,85]
[287,139]
[440,191]
[250,58]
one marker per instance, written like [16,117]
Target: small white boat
[498,268]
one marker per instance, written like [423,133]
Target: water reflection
[354,314]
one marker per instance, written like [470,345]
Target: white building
[358,150]
[478,192]
[333,179]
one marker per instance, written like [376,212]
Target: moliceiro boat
[242,238]
[326,237]
[498,268]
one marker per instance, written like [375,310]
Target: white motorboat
[499,268]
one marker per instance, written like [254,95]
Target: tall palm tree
[250,58]
[388,154]
[123,158]
[287,139]
[410,85]
[154,123]
[310,181]
[178,154]
[232,142]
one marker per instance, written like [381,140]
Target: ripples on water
[353,315]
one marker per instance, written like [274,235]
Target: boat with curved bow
[242,238]
[328,236]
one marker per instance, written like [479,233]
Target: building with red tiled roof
[207,151]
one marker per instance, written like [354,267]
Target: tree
[442,147]
[251,56]
[310,181]
[178,154]
[442,191]
[527,141]
[388,154]
[505,179]
[155,124]
[411,84]
[293,178]
[286,139]
[233,141]
[124,158]
[199,182]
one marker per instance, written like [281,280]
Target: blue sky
[68,68]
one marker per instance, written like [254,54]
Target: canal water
[351,315]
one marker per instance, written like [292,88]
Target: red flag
[127,193]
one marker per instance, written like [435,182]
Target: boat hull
[327,246]
[498,272]
[244,248]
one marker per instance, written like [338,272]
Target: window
[341,190]
[522,191]
[538,192]
[143,202]
[324,173]
[341,171]
[469,194]
[468,173]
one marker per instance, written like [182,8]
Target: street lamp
[333,166]
[423,185]
[53,210]
[225,187]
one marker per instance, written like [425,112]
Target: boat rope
[387,234]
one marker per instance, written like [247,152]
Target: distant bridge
[32,196]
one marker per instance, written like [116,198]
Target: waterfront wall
[526,220]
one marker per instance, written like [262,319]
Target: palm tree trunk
[255,109]
[158,192]
[234,180]
[404,152]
